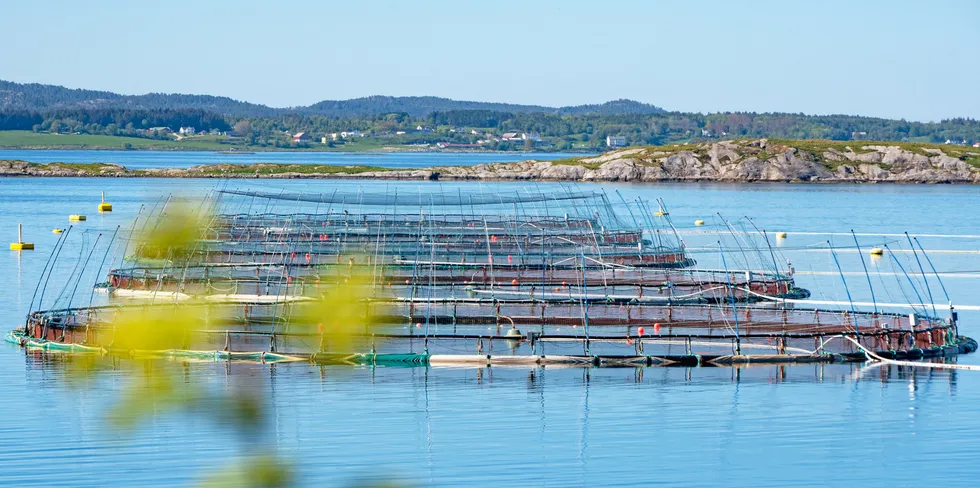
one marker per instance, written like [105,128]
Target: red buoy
[640,331]
[656,328]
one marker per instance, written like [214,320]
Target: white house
[616,141]
[513,136]
[976,144]
[534,136]
[351,133]
[186,131]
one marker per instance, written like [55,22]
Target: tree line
[556,130]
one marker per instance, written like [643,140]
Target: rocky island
[737,161]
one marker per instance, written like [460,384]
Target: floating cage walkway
[472,279]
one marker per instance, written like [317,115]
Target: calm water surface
[186,159]
[804,425]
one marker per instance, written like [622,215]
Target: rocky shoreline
[759,160]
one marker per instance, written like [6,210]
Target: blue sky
[914,60]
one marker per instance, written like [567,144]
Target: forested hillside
[37,97]
[430,120]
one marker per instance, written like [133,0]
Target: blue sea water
[793,425]
[186,159]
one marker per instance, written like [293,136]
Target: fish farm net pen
[448,277]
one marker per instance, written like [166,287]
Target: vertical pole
[922,271]
[30,309]
[933,268]
[846,289]
[775,267]
[99,272]
[20,232]
[44,288]
[874,302]
[907,277]
[952,312]
[585,308]
[731,295]
[82,273]
[630,210]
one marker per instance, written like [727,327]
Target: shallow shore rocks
[758,160]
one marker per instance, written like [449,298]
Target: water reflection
[409,422]
[41,366]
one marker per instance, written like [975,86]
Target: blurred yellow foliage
[337,313]
[259,471]
[160,327]
[340,312]
[176,232]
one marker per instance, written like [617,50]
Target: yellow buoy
[659,214]
[76,218]
[57,231]
[20,245]
[699,222]
[877,251]
[104,207]
[781,235]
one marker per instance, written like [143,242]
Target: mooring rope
[916,364]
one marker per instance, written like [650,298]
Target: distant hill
[414,106]
[615,107]
[420,121]
[422,106]
[41,98]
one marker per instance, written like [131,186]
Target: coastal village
[440,138]
[423,138]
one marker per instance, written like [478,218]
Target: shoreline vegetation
[51,116]
[27,140]
[749,160]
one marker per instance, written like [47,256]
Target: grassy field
[19,139]
[271,169]
[22,139]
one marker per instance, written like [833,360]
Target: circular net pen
[540,333]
